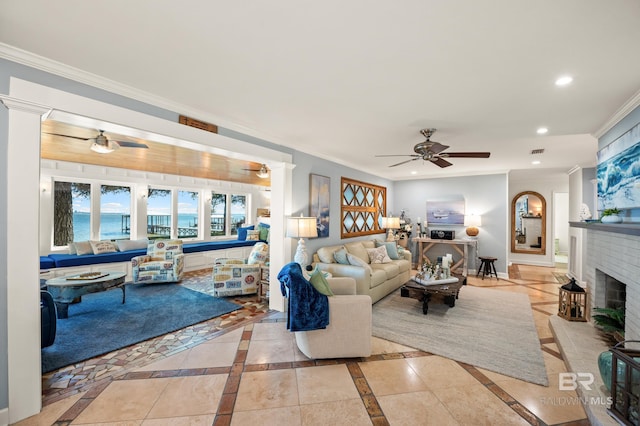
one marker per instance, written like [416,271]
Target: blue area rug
[102,324]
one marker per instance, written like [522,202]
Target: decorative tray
[87,276]
[435,282]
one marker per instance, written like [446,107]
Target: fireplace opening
[615,293]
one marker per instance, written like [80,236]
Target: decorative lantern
[572,304]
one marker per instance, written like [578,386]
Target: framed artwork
[445,212]
[319,202]
[618,172]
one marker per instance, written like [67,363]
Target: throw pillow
[319,282]
[259,254]
[325,254]
[378,255]
[253,235]
[99,247]
[356,261]
[126,245]
[72,248]
[359,250]
[242,232]
[264,231]
[341,256]
[83,247]
[392,249]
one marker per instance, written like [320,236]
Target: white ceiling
[349,80]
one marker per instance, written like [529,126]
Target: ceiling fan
[432,151]
[262,172]
[102,145]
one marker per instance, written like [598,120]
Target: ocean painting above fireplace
[618,172]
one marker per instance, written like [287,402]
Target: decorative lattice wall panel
[362,209]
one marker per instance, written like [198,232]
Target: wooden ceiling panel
[158,158]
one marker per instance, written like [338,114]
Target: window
[71,212]
[218,214]
[115,212]
[159,213]
[238,212]
[188,202]
[170,212]
[228,211]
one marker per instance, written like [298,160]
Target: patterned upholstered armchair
[164,262]
[234,276]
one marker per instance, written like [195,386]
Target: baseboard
[4,417]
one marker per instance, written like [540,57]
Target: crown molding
[628,106]
[60,69]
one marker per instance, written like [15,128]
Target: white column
[279,245]
[23,262]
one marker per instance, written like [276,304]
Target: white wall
[485,195]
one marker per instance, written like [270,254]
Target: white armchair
[348,334]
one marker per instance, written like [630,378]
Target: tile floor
[244,368]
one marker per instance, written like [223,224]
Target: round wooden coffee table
[70,287]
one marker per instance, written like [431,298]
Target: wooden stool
[487,267]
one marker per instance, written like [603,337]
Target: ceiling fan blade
[398,155]
[125,144]
[466,154]
[69,136]
[441,162]
[407,161]
[437,147]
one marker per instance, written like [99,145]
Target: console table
[426,244]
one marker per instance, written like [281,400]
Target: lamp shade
[472,220]
[393,223]
[301,227]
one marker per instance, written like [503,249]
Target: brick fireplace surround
[614,250]
[608,249]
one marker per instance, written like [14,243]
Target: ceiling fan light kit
[262,172]
[433,152]
[102,145]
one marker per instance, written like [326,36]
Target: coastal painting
[618,172]
[445,212]
[320,196]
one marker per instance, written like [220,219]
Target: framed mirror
[528,223]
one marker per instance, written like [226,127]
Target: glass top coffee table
[71,287]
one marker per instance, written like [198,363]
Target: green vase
[604,365]
[605,360]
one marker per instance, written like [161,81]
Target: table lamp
[301,227]
[391,224]
[472,221]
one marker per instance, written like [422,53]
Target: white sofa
[341,339]
[377,280]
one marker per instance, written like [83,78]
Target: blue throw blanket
[308,309]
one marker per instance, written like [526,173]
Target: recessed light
[536,162]
[413,172]
[564,80]
[542,130]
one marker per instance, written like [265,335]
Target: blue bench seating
[65,260]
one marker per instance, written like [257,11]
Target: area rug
[101,323]
[487,328]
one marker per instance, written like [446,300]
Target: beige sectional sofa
[373,279]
